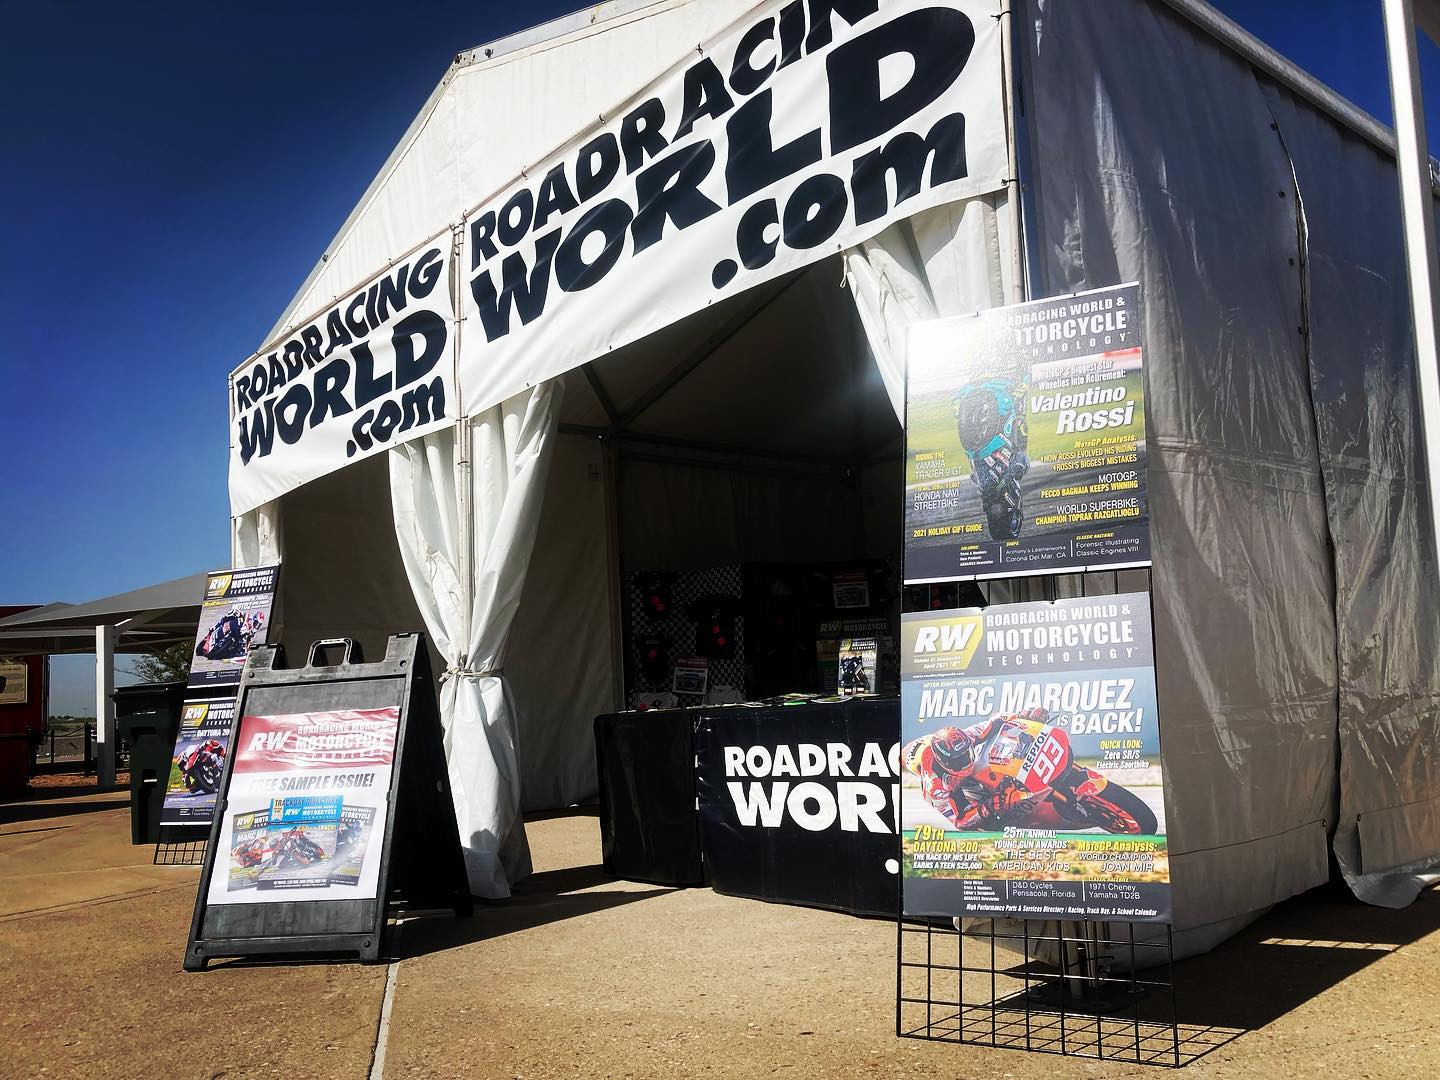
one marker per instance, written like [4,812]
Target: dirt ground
[581,975]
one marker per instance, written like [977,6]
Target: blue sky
[171,173]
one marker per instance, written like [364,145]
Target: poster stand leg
[1104,991]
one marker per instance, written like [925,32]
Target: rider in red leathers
[956,775]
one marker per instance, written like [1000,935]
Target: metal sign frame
[421,862]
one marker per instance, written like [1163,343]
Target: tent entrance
[751,447]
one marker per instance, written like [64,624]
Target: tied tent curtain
[475,517]
[941,262]
[255,537]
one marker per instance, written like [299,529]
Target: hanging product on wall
[850,590]
[1025,440]
[1032,782]
[655,588]
[779,629]
[692,676]
[654,657]
[661,609]
[714,618]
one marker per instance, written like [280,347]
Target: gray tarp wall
[1295,598]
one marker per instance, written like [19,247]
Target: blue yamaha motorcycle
[990,420]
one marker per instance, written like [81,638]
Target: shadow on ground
[548,897]
[55,806]
[1297,952]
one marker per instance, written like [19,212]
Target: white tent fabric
[1281,470]
[519,99]
[469,603]
[951,260]
[562,671]
[256,537]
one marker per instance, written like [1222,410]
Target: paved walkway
[583,976]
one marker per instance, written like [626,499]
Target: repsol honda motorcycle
[1025,775]
[990,421]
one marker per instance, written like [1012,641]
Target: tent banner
[375,369]
[797,803]
[798,132]
[1032,784]
[1025,440]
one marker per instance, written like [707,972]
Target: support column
[105,705]
[1418,213]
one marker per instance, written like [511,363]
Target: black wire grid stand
[183,853]
[1103,991]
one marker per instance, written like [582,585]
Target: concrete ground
[580,975]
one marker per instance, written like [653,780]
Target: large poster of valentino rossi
[1032,782]
[1025,440]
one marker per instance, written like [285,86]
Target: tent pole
[464,480]
[1418,213]
[611,466]
[105,705]
[1013,193]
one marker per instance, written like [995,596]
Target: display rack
[180,853]
[1078,989]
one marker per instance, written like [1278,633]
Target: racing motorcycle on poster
[248,855]
[990,422]
[295,850]
[1020,771]
[230,637]
[347,836]
[201,766]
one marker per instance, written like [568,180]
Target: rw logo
[951,642]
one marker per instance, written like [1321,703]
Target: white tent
[703,385]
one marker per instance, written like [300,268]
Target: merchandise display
[763,629]
[673,618]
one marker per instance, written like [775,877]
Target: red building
[24,704]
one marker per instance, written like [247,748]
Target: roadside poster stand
[235,616]
[334,804]
[1032,812]
[1025,440]
[1062,812]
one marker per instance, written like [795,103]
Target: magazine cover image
[200,766]
[1017,771]
[230,637]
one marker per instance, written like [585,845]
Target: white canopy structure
[633,292]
